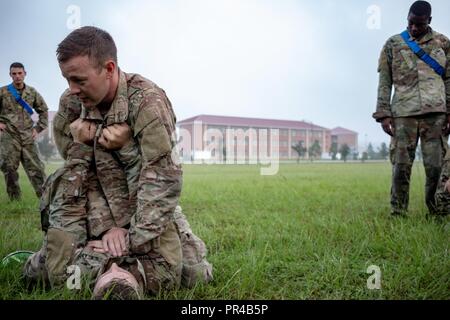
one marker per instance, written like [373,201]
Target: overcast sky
[281,59]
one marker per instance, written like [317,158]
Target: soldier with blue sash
[416,63]
[18,132]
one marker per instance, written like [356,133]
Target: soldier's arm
[2,119]
[160,179]
[61,124]
[130,159]
[118,137]
[447,77]
[61,134]
[41,108]
[384,85]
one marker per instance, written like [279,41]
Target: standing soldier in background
[416,63]
[17,133]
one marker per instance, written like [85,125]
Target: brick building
[344,136]
[242,139]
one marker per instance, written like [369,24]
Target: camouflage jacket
[18,121]
[154,178]
[418,89]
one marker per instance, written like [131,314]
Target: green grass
[309,232]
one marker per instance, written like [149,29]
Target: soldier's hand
[447,186]
[83,131]
[115,137]
[2,126]
[96,246]
[388,126]
[114,241]
[34,134]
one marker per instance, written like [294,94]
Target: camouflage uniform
[419,106]
[16,142]
[91,199]
[442,195]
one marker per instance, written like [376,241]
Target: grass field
[309,232]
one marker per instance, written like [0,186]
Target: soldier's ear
[429,20]
[110,66]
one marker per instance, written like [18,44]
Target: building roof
[342,131]
[250,122]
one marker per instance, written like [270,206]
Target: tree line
[344,151]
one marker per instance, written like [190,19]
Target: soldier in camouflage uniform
[92,200]
[420,107]
[17,134]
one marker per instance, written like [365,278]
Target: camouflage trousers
[54,263]
[12,153]
[407,133]
[442,195]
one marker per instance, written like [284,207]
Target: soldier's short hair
[16,65]
[89,41]
[421,8]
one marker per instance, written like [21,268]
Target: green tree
[315,151]
[300,149]
[46,147]
[334,150]
[344,150]
[383,151]
[371,152]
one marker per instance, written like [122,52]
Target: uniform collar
[25,87]
[118,113]
[427,37]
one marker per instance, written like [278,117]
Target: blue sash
[422,54]
[19,99]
